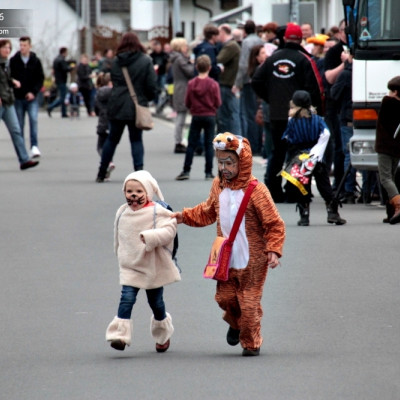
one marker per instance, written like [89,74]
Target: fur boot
[333,213]
[120,330]
[161,330]
[395,202]
[304,210]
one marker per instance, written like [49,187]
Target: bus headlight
[363,147]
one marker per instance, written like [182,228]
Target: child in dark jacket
[74,100]
[103,94]
[202,99]
[307,133]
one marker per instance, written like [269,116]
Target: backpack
[176,240]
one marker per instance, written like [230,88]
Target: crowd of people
[256,69]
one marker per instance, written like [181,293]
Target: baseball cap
[293,31]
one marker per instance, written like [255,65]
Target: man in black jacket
[60,70]
[285,71]
[27,69]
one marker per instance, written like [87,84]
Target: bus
[373,31]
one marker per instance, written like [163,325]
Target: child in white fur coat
[143,241]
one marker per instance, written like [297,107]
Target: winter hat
[293,32]
[73,85]
[148,182]
[301,98]
[394,83]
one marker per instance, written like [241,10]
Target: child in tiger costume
[258,244]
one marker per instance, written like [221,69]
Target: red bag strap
[242,209]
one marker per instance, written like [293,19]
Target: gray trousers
[387,166]
[179,125]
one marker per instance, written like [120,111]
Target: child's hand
[272,260]
[178,216]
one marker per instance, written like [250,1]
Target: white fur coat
[150,265]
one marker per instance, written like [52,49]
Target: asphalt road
[331,310]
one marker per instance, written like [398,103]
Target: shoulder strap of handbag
[242,209]
[129,84]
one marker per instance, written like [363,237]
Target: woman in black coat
[121,110]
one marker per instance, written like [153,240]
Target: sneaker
[232,336]
[28,164]
[35,152]
[209,177]
[251,352]
[99,179]
[162,348]
[180,149]
[183,176]
[110,169]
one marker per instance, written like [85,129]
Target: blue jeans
[135,136]
[248,109]
[154,298]
[228,115]
[32,108]
[350,181]
[9,116]
[208,125]
[59,101]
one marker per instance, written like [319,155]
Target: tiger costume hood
[241,146]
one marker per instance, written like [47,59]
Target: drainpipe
[203,8]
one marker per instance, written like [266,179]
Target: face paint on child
[228,164]
[135,195]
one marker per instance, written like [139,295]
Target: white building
[56,23]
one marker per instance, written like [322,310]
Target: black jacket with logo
[284,72]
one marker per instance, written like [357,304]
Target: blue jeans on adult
[228,115]
[9,116]
[135,137]
[350,181]
[207,123]
[62,92]
[154,298]
[248,110]
[23,106]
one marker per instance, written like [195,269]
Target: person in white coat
[144,234]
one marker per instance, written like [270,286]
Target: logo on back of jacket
[284,68]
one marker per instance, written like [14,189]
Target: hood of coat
[127,58]
[245,162]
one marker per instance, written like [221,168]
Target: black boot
[389,212]
[304,210]
[333,214]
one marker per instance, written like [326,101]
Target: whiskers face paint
[227,164]
[135,195]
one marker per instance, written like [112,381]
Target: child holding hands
[258,244]
[143,241]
